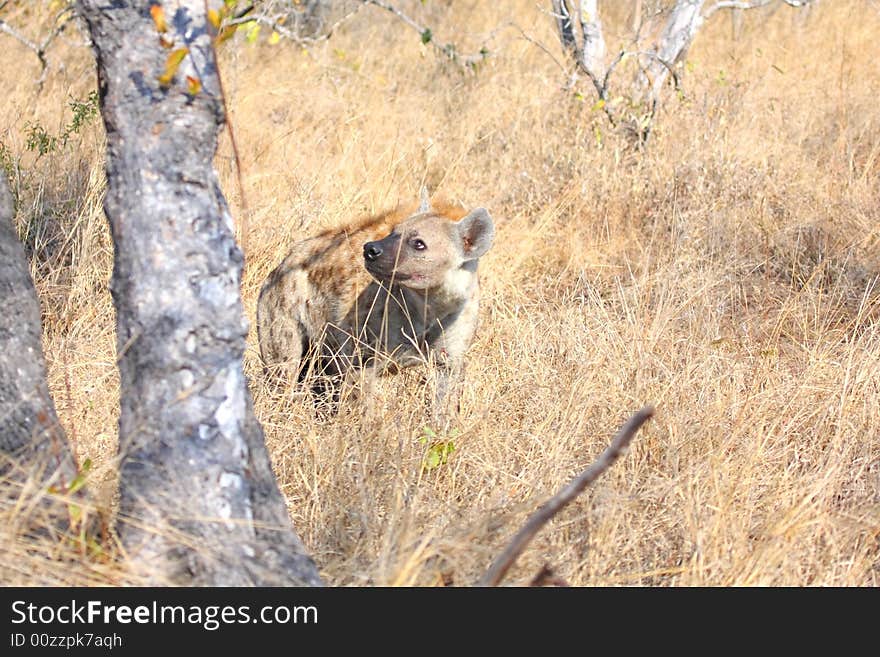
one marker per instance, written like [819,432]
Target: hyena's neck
[458,288]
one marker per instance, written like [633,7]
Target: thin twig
[445,49]
[275,24]
[543,515]
[564,25]
[6,28]
[69,400]
[38,48]
[541,46]
[638,53]
[546,577]
[676,83]
[754,4]
[238,176]
[733,4]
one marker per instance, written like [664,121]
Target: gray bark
[593,54]
[565,26]
[587,44]
[199,503]
[684,21]
[32,443]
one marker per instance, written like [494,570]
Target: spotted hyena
[388,292]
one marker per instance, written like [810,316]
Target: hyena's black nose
[372,251]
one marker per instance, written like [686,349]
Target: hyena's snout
[381,257]
[372,251]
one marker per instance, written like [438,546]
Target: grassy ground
[726,274]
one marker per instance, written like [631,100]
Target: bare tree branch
[546,577]
[40,49]
[275,23]
[754,4]
[6,28]
[603,94]
[542,47]
[733,4]
[446,49]
[565,27]
[543,515]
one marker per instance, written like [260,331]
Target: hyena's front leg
[447,395]
[350,365]
[447,352]
[330,368]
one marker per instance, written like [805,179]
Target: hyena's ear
[424,203]
[477,232]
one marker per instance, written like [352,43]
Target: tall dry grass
[726,274]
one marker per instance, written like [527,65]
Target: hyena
[388,292]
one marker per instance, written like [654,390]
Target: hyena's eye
[418,244]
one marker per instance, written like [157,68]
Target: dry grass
[727,275]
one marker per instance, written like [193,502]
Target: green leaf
[432,459]
[80,479]
[427,35]
[78,482]
[94,546]
[253,32]
[438,454]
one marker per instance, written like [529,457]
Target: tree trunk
[199,503]
[565,27]
[587,48]
[593,54]
[684,21]
[32,443]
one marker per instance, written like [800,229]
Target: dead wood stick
[556,503]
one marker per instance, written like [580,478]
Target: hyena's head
[427,247]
